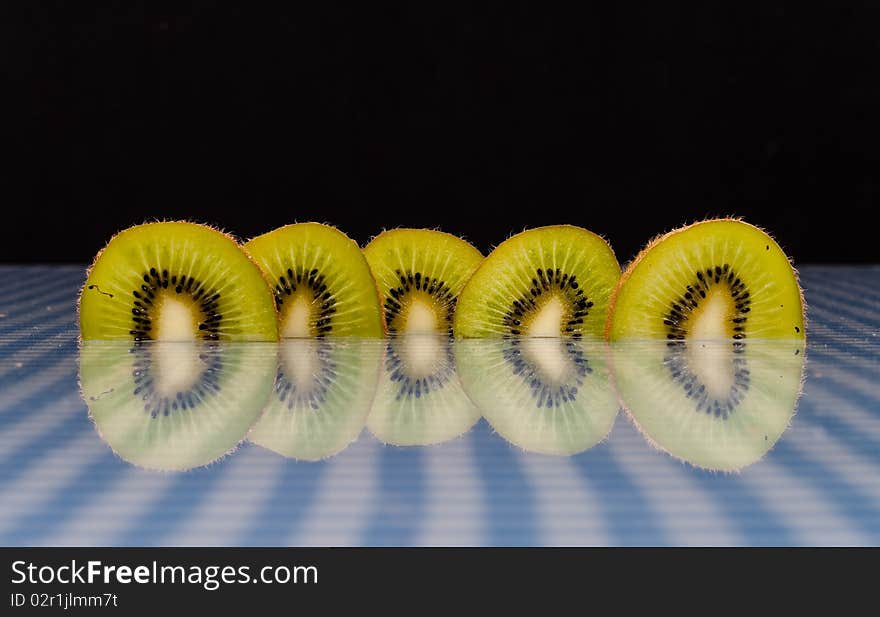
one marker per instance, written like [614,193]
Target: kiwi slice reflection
[546,395]
[321,398]
[174,405]
[717,404]
[420,400]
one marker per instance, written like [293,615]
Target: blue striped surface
[61,485]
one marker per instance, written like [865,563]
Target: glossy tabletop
[73,473]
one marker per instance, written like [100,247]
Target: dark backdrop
[627,120]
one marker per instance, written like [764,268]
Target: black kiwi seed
[434,287]
[543,282]
[315,393]
[207,300]
[675,319]
[417,387]
[547,395]
[315,285]
[156,404]
[676,363]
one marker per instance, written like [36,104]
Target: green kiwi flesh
[420,274]
[323,392]
[545,282]
[175,281]
[717,404]
[172,405]
[321,282]
[717,279]
[547,395]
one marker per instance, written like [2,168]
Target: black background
[628,119]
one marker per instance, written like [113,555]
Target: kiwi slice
[420,274]
[716,405]
[546,395]
[716,279]
[321,281]
[175,281]
[323,392]
[420,400]
[550,281]
[175,405]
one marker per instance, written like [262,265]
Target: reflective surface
[422,441]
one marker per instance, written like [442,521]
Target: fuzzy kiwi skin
[89,283]
[247,248]
[631,267]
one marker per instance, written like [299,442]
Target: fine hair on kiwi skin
[552,281]
[215,291]
[754,244]
[173,406]
[320,280]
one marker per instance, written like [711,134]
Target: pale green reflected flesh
[547,395]
[420,400]
[718,405]
[322,394]
[175,405]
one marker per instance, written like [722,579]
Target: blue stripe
[857,365]
[864,297]
[89,481]
[36,337]
[837,310]
[744,509]
[283,514]
[174,506]
[29,303]
[46,290]
[627,513]
[17,379]
[852,439]
[401,502]
[18,455]
[509,498]
[845,499]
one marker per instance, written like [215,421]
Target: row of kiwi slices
[175,406]
[174,281]
[691,312]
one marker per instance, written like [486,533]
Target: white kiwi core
[176,319]
[548,357]
[548,319]
[422,353]
[300,361]
[711,319]
[421,318]
[178,366]
[711,361]
[297,320]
